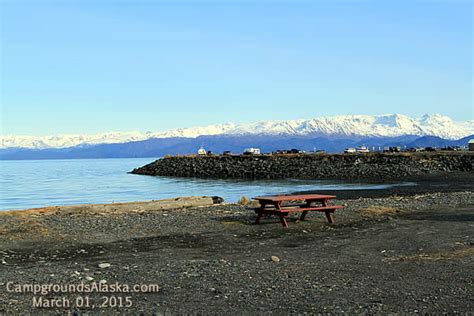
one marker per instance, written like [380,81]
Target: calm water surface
[37,183]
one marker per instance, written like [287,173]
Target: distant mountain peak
[388,125]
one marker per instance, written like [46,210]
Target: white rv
[362,149]
[252,151]
[202,152]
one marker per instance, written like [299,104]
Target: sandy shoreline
[402,252]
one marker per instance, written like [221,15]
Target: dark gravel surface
[411,253]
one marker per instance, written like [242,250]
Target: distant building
[350,150]
[471,145]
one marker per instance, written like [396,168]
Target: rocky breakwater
[373,165]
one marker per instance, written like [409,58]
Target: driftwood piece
[146,206]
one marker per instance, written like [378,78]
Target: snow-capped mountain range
[391,125]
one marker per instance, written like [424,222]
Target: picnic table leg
[281,214]
[283,221]
[329,217]
[328,213]
[259,213]
[303,214]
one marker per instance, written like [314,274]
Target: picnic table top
[276,198]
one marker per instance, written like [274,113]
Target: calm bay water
[37,183]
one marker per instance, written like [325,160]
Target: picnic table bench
[274,205]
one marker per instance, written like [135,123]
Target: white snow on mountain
[390,125]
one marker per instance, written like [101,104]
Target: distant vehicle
[350,150]
[414,149]
[252,151]
[202,152]
[227,153]
[430,149]
[451,148]
[296,151]
[362,149]
[392,149]
[288,151]
[209,153]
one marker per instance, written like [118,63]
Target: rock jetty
[373,165]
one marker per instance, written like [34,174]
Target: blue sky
[95,66]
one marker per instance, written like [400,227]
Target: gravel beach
[408,251]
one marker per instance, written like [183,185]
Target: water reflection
[26,184]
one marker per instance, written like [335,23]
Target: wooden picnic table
[274,205]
